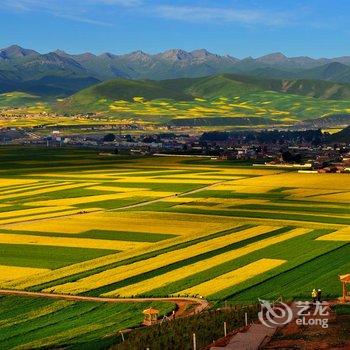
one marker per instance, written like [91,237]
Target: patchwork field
[253,109]
[80,223]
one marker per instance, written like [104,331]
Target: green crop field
[86,224]
[33,323]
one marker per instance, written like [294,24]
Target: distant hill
[225,99]
[330,120]
[28,71]
[122,89]
[17,99]
[334,71]
[225,85]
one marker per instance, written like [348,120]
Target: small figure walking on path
[319,292]
[314,295]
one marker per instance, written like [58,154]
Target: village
[305,150]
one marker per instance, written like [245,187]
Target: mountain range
[61,74]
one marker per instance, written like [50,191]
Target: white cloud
[98,11]
[211,14]
[74,10]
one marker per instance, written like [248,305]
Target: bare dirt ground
[314,337]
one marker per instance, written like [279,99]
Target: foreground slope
[88,224]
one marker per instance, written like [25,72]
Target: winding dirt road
[183,303]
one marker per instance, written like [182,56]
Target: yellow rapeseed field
[164,181]
[43,190]
[4,182]
[27,220]
[117,188]
[162,280]
[98,262]
[148,222]
[213,177]
[307,193]
[16,189]
[343,197]
[70,242]
[126,271]
[31,211]
[339,235]
[11,273]
[292,179]
[231,186]
[233,278]
[82,200]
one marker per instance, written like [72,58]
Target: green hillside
[227,99]
[17,99]
[225,85]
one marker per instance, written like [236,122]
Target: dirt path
[131,206]
[185,306]
[197,190]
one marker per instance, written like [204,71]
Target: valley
[160,227]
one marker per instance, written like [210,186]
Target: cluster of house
[281,150]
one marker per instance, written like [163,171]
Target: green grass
[49,257]
[341,309]
[68,324]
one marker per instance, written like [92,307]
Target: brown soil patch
[314,337]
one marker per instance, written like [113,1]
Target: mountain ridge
[18,66]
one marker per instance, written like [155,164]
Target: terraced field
[80,223]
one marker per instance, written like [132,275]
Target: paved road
[182,302]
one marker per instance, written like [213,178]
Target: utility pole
[122,334]
[194,342]
[225,329]
[246,319]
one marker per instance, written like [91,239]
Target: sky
[241,28]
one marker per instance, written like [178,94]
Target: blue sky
[317,28]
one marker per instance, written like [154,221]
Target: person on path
[319,292]
[314,295]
